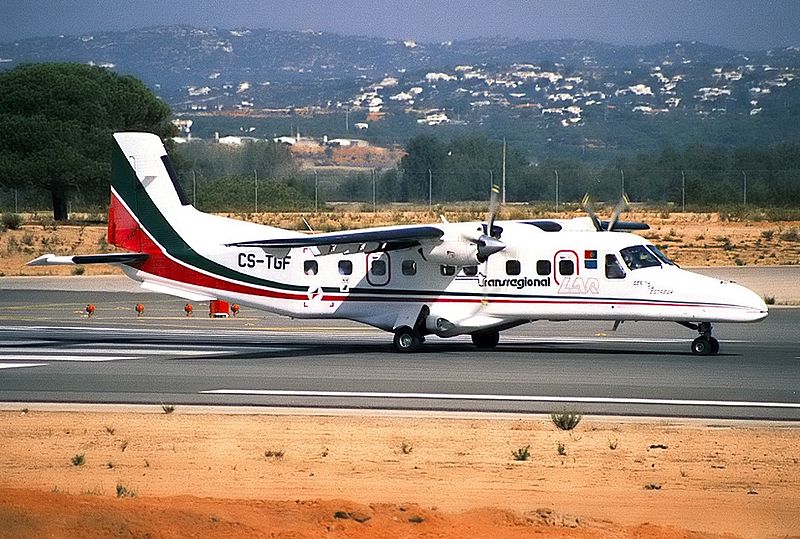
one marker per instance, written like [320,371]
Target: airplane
[444,279]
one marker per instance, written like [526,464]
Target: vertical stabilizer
[144,189]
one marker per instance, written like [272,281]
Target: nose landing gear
[705,344]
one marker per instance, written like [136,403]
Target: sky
[738,24]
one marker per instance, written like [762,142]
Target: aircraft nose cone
[488,246]
[754,303]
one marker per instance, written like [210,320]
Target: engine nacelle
[438,325]
[454,253]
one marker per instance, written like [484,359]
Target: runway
[51,352]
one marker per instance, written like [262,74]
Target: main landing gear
[407,339]
[705,344]
[486,340]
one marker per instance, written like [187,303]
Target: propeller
[589,207]
[489,243]
[621,206]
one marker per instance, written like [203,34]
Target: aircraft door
[379,269]
[566,264]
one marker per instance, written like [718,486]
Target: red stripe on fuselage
[126,232]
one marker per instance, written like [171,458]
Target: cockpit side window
[660,254]
[638,256]
[613,269]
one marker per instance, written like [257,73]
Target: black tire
[407,340]
[701,346]
[714,346]
[486,340]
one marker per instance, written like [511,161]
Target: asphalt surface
[50,351]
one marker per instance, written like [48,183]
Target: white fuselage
[540,275]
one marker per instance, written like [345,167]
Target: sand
[203,473]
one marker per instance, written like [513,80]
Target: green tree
[56,122]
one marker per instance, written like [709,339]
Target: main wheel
[702,346]
[714,346]
[407,340]
[486,339]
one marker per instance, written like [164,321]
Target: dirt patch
[242,475]
[691,239]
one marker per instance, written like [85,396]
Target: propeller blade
[621,206]
[487,246]
[494,205]
[589,208]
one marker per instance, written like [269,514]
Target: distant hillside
[577,94]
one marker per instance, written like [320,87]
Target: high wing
[359,241]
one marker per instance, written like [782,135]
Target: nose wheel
[705,344]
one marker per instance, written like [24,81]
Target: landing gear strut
[705,344]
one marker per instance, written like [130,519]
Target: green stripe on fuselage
[131,191]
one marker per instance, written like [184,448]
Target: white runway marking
[58,357]
[510,398]
[20,365]
[108,351]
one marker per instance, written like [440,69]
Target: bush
[790,235]
[769,300]
[123,492]
[566,419]
[168,408]
[78,460]
[523,453]
[11,221]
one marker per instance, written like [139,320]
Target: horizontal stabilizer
[381,239]
[105,258]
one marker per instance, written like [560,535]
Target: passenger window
[543,267]
[513,267]
[470,271]
[409,267]
[613,269]
[345,267]
[310,267]
[447,270]
[566,267]
[378,267]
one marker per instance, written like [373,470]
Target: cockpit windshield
[661,256]
[638,256]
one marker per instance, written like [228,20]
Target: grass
[652,486]
[562,449]
[11,221]
[790,235]
[78,270]
[274,454]
[168,408]
[78,460]
[612,444]
[124,492]
[110,430]
[566,419]
[522,454]
[769,300]
[406,448]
